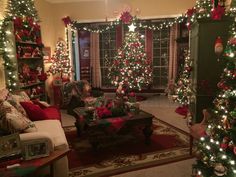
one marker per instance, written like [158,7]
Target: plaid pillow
[15,100]
[13,121]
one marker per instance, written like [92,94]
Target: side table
[31,167]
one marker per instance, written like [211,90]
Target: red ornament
[126,17]
[232,40]
[224,146]
[218,46]
[190,12]
[18,22]
[66,20]
[217,13]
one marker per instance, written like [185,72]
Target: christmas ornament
[217,13]
[66,20]
[126,17]
[225,143]
[220,170]
[218,46]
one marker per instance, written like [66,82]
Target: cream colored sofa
[52,131]
[12,118]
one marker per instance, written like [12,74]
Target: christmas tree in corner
[183,85]
[61,61]
[15,9]
[131,67]
[21,8]
[216,151]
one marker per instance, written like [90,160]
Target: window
[107,53]
[160,58]
[160,55]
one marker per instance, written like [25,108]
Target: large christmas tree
[216,151]
[61,61]
[131,66]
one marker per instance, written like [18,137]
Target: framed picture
[35,149]
[85,53]
[47,54]
[10,145]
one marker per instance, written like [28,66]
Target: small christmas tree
[131,66]
[21,8]
[216,151]
[183,85]
[61,61]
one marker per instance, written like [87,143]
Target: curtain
[95,60]
[173,54]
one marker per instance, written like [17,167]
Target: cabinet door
[206,68]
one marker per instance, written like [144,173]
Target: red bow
[217,13]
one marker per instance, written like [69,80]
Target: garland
[202,9]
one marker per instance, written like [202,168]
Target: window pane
[160,57]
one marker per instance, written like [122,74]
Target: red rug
[122,153]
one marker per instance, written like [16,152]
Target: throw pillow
[41,104]
[53,112]
[34,111]
[14,121]
[16,99]
[4,94]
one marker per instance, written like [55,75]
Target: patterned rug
[123,153]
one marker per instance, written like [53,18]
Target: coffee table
[31,167]
[100,128]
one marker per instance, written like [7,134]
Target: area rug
[123,153]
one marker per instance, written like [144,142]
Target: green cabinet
[206,66]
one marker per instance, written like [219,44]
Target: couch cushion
[14,121]
[54,129]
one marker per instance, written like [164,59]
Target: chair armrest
[24,137]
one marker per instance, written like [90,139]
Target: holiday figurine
[218,46]
[36,52]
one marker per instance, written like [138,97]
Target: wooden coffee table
[96,129]
[31,167]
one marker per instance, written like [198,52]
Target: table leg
[147,131]
[51,171]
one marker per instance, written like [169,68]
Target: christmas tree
[61,61]
[183,85]
[21,8]
[131,66]
[216,151]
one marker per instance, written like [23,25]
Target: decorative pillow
[16,99]
[53,112]
[34,111]
[4,94]
[14,121]
[41,104]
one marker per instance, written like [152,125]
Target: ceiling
[66,1]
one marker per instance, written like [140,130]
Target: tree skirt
[126,152]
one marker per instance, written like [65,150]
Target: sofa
[15,119]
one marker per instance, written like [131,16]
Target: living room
[117,88]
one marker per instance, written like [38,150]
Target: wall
[99,10]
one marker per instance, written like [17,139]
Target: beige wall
[99,10]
